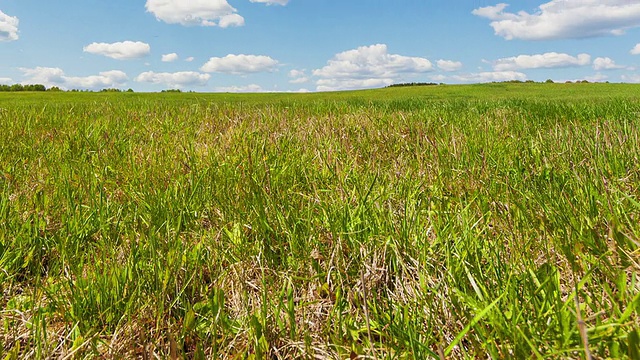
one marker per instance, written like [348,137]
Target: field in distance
[471,221]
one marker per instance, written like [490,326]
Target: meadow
[475,221]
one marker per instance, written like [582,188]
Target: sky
[314,45]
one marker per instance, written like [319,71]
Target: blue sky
[314,45]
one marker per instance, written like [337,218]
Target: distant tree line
[40,87]
[412,84]
[548,81]
[115,90]
[20,87]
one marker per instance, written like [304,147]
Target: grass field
[474,221]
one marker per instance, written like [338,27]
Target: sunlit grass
[464,222]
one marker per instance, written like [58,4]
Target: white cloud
[298,77]
[174,80]
[271,2]
[562,19]
[236,89]
[56,77]
[348,84]
[44,75]
[119,50]
[490,76]
[368,66]
[547,60]
[605,63]
[631,78]
[231,20]
[596,78]
[296,73]
[240,64]
[113,78]
[300,80]
[492,12]
[8,27]
[448,65]
[189,59]
[635,50]
[170,57]
[195,12]
[5,81]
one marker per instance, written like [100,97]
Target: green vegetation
[413,84]
[40,87]
[498,220]
[20,87]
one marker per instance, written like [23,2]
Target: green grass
[477,221]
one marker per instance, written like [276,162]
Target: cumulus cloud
[271,2]
[366,67]
[300,80]
[448,65]
[631,78]
[195,12]
[635,50]
[8,27]
[174,80]
[240,64]
[596,78]
[113,78]
[44,75]
[492,12]
[296,73]
[189,59]
[231,20]
[537,61]
[56,77]
[298,77]
[237,89]
[561,19]
[490,76]
[119,50]
[349,84]
[170,57]
[605,63]
[5,81]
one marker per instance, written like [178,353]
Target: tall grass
[326,226]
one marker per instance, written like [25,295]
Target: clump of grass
[298,226]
